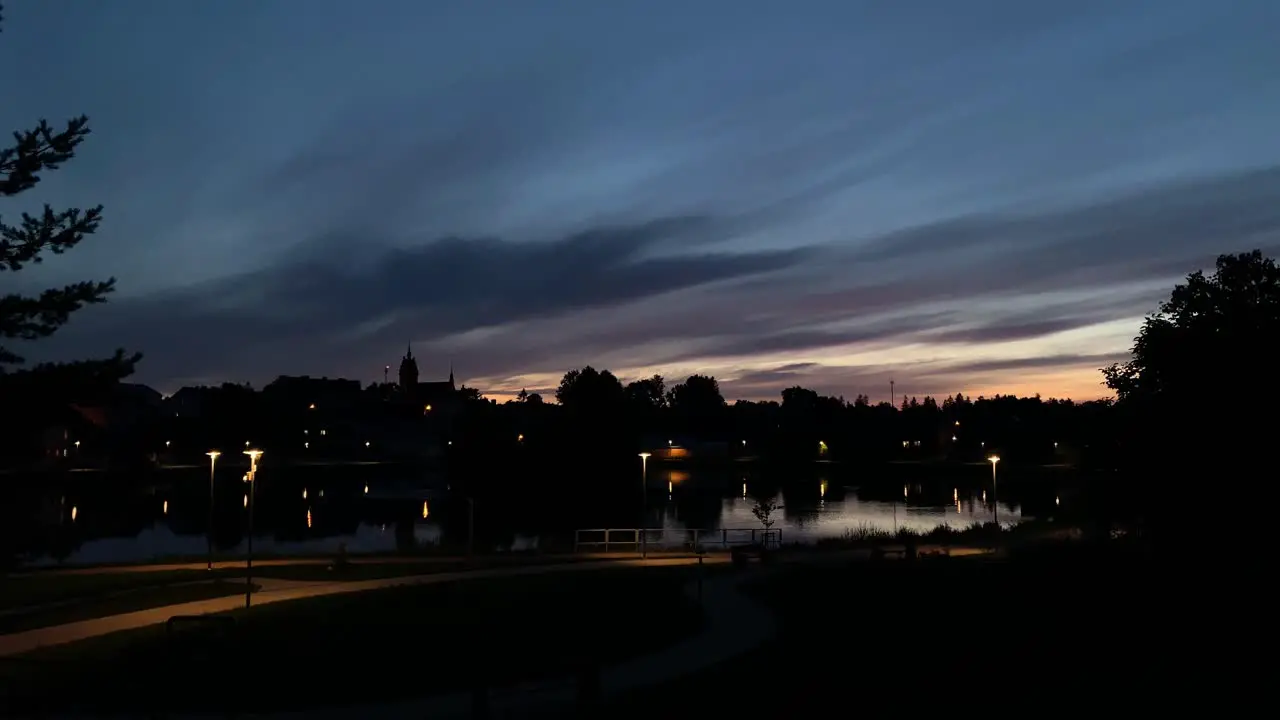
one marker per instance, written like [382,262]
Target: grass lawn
[364,647]
[45,588]
[893,638]
[123,601]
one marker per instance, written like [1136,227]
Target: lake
[367,510]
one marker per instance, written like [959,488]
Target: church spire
[451,374]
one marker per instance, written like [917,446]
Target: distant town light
[366,489]
[165,508]
[425,509]
[366,443]
[166,443]
[73,513]
[520,437]
[312,406]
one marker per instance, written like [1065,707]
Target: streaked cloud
[975,199]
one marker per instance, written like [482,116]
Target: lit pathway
[282,590]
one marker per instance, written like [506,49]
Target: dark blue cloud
[732,184]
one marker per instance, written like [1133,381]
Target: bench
[743,554]
[880,553]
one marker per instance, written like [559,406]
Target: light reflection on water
[834,518]
[824,510]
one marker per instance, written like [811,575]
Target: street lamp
[995,494]
[213,460]
[644,504]
[253,475]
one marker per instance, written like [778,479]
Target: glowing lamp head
[993,459]
[645,455]
[253,454]
[213,454]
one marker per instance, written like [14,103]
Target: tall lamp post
[253,475]
[644,505]
[213,460]
[995,491]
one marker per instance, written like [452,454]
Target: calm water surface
[297,517]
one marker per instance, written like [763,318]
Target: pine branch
[32,318]
[82,379]
[56,232]
[38,150]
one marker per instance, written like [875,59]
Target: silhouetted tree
[763,510]
[589,390]
[648,393]
[33,317]
[1212,330]
[1214,341]
[697,395]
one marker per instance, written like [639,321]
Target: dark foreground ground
[361,647]
[1060,630]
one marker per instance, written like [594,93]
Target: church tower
[451,385]
[408,372]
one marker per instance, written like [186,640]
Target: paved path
[282,590]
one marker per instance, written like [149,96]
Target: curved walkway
[273,591]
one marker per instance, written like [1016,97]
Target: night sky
[981,196]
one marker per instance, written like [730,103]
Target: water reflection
[367,513]
[833,515]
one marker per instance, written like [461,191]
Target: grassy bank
[364,647]
[50,587]
[1025,633]
[75,609]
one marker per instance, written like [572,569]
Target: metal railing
[659,539]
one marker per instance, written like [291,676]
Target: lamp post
[213,460]
[995,492]
[253,475]
[644,504]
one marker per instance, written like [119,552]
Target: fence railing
[657,539]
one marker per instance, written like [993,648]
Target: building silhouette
[434,396]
